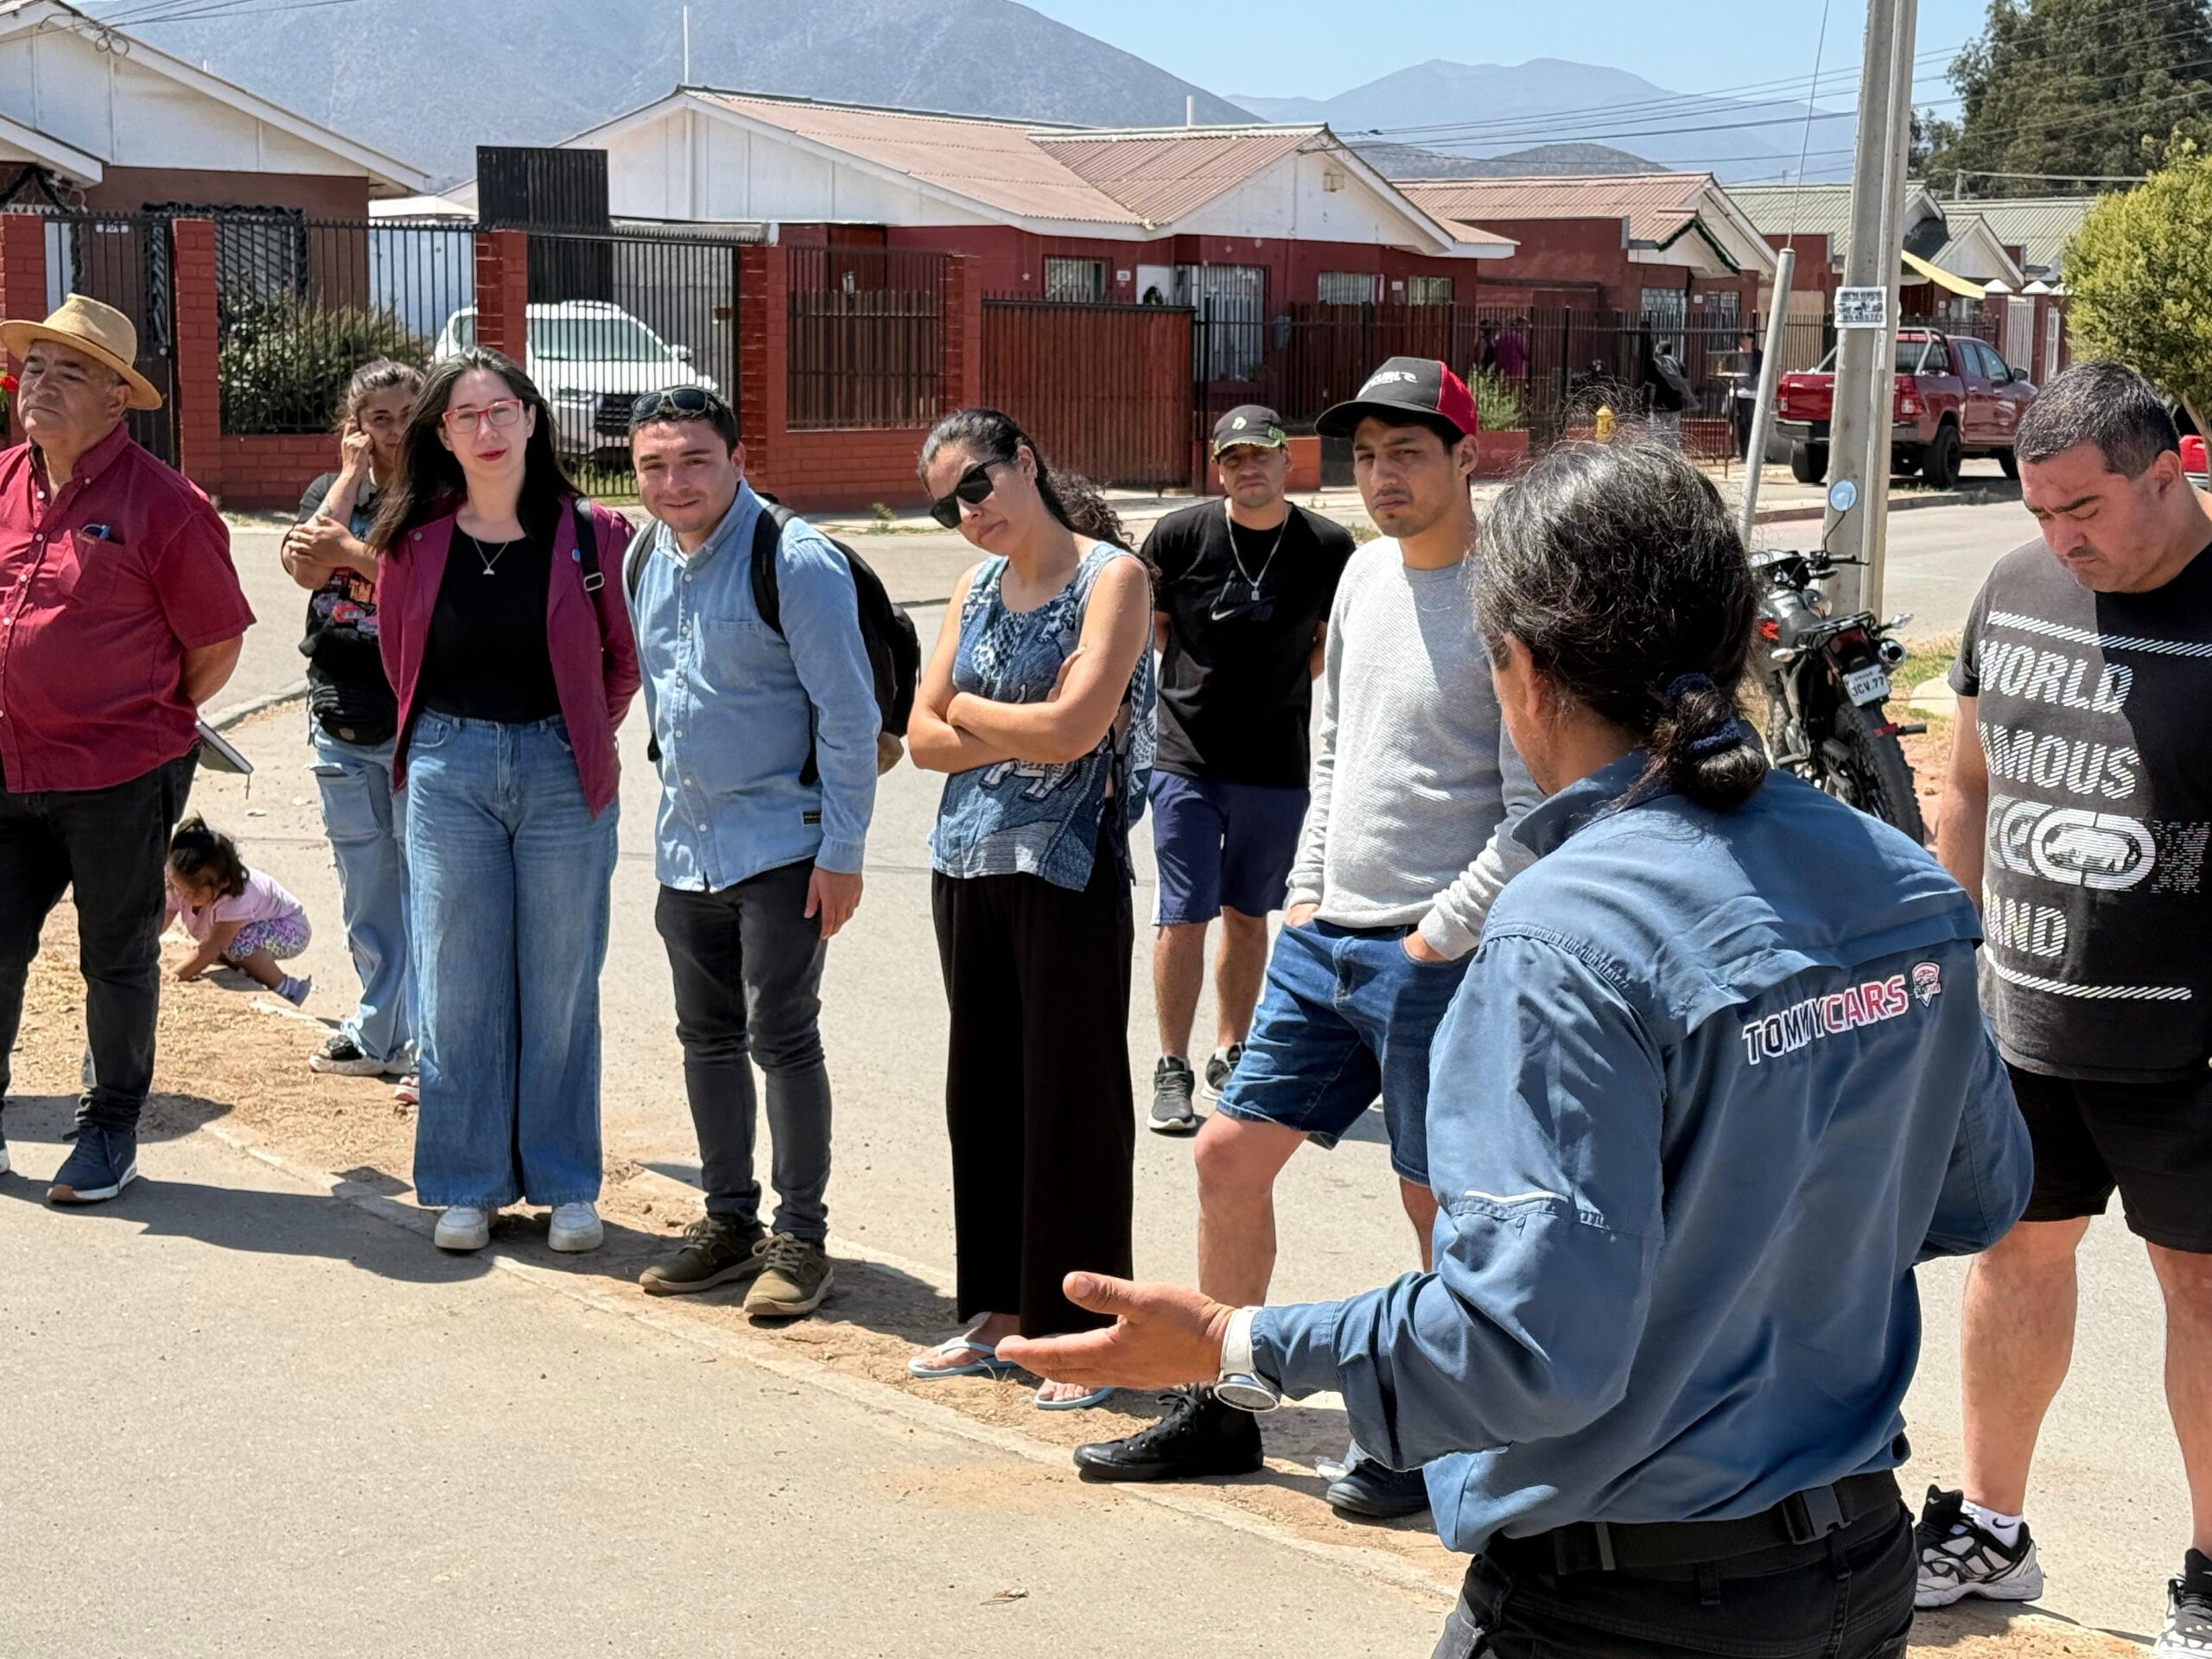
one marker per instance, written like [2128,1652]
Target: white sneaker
[463,1227]
[577,1227]
[1959,1557]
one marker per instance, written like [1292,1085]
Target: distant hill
[413,79]
[1406,161]
[1473,109]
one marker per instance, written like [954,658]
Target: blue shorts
[1346,1015]
[1221,846]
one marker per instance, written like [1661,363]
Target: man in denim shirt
[768,740]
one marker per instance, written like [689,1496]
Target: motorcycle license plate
[1869,684]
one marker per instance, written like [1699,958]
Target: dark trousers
[1037,1094]
[1744,408]
[109,845]
[747,964]
[1848,1596]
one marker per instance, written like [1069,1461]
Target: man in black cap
[1244,603]
[1406,843]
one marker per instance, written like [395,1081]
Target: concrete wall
[319,196]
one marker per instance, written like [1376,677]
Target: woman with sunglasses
[1038,703]
[512,661]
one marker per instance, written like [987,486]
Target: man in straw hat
[119,615]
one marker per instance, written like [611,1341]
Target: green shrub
[1497,403]
[284,362]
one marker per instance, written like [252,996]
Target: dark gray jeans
[748,963]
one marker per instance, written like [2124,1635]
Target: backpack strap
[634,561]
[767,581]
[587,544]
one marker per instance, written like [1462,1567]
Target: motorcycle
[1827,679]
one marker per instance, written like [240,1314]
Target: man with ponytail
[1716,1081]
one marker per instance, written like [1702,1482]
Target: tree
[2092,87]
[2141,271]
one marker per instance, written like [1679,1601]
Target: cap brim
[17,338]
[1342,419]
[1260,442]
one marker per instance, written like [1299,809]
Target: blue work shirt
[1714,1083]
[735,705]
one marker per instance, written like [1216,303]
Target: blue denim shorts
[1346,1015]
[1221,847]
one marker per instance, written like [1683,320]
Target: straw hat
[100,332]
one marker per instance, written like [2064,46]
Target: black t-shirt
[2096,717]
[487,657]
[340,642]
[1235,681]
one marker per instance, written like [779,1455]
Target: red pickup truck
[1954,397]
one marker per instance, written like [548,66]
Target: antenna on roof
[1189,109]
[687,45]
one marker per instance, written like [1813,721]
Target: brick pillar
[502,292]
[763,357]
[963,335]
[22,287]
[198,392]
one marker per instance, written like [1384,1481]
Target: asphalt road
[2110,1508]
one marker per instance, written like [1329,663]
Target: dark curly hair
[204,859]
[1069,497]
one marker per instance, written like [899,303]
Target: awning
[1964,286]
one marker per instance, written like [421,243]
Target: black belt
[1802,1518]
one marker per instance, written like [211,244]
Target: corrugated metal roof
[1161,176]
[2040,225]
[1655,204]
[1807,210]
[993,163]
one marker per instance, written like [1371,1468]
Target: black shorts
[2151,1140]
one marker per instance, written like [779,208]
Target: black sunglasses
[975,488]
[683,400]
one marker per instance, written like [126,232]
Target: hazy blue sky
[1317,47]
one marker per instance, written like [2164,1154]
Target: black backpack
[895,650]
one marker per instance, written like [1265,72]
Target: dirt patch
[233,1056]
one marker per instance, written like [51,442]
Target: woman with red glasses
[512,659]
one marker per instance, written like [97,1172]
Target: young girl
[240,916]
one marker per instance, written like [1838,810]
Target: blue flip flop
[987,1362]
[1081,1402]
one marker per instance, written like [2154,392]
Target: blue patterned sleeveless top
[1034,818]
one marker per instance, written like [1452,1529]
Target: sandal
[987,1362]
[1081,1402]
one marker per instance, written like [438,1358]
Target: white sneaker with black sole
[1960,1557]
[1220,1067]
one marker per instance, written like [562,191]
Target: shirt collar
[89,465]
[741,509]
[1546,827]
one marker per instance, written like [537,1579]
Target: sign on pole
[1862,308]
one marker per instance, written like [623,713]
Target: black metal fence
[867,337]
[125,260]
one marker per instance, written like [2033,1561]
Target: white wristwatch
[1240,1383]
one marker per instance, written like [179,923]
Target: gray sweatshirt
[1415,786]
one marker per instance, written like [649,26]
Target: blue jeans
[1346,1015]
[511,874]
[367,837]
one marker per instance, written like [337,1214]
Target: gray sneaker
[1172,1084]
[795,1275]
[716,1251]
[1220,1067]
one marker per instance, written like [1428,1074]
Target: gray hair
[2103,403]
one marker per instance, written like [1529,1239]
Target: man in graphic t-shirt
[2079,807]
[1245,589]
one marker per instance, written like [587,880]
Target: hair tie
[1683,685]
[1737,733]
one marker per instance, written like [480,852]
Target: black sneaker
[1172,1080]
[341,1057]
[1198,1436]
[1960,1557]
[103,1162]
[716,1251]
[1368,1491]
[2188,1610]
[1219,1070]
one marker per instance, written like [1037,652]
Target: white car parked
[591,359]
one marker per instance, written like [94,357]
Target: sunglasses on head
[683,400]
[975,488]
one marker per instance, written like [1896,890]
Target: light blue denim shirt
[1714,1083]
[735,706]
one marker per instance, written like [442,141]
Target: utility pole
[1862,267]
[1785,269]
[1896,173]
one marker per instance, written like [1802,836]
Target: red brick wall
[503,291]
[22,288]
[267,470]
[198,395]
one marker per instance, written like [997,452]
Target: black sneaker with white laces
[1172,1083]
[1220,1067]
[2188,1628]
[1960,1557]
[341,1057]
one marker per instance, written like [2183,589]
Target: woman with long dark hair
[1038,703]
[353,718]
[512,663]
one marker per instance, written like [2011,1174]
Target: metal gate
[125,260]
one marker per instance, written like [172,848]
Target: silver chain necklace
[1252,583]
[498,549]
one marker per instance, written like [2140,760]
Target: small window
[1345,287]
[1428,290]
[1075,282]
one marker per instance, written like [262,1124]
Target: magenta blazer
[594,656]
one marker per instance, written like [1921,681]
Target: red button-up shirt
[102,589]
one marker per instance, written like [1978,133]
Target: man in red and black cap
[1406,843]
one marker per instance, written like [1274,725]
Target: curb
[1898,504]
[239,712]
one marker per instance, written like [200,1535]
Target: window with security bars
[1721,312]
[1075,282]
[1345,287]
[1662,309]
[1428,290]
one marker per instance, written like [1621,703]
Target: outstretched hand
[1162,1336]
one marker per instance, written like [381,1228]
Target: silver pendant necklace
[492,565]
[1252,583]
